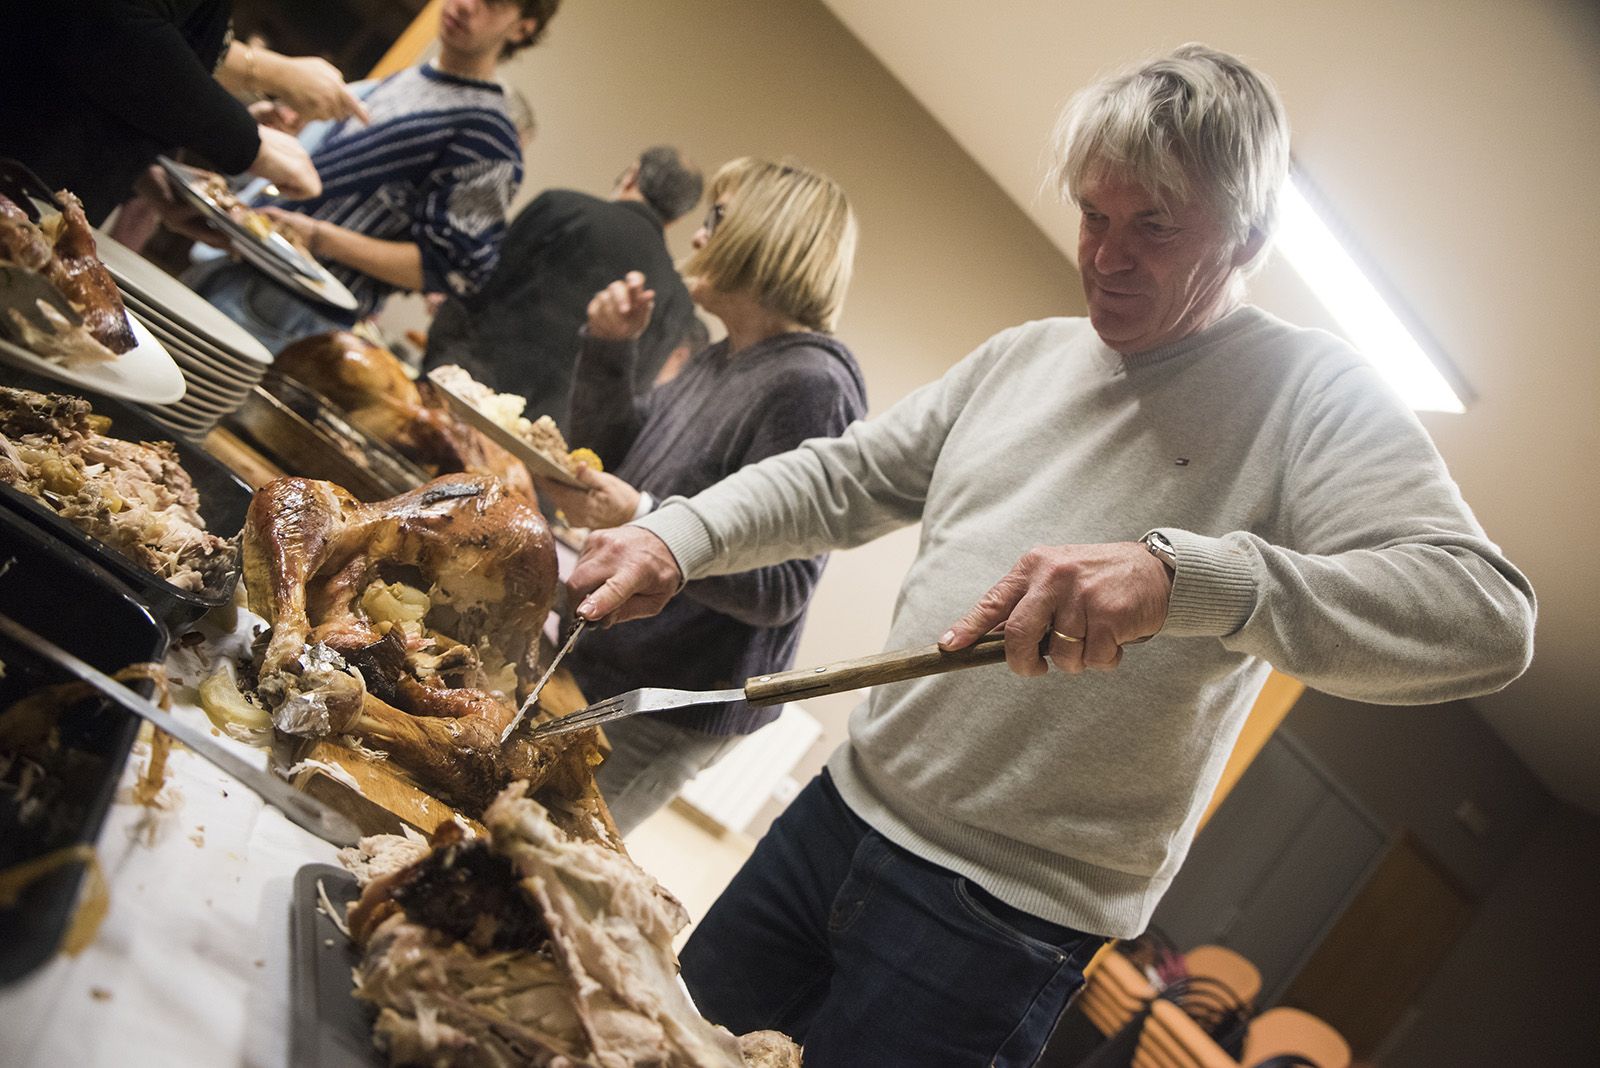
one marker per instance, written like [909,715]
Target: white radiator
[732,790]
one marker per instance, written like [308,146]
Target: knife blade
[301,809]
[528,702]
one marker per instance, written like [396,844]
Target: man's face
[477,27]
[1151,274]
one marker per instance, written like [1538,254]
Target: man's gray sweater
[1316,528]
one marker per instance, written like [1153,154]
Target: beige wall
[946,259]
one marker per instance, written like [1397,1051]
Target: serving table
[191,964]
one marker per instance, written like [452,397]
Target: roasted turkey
[435,691]
[371,385]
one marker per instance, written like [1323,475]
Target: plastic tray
[331,1029]
[223,503]
[63,597]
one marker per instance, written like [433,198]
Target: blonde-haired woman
[772,262]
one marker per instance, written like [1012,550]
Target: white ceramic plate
[165,297]
[197,366]
[187,423]
[198,363]
[536,462]
[145,374]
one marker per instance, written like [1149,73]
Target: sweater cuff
[684,533]
[1213,590]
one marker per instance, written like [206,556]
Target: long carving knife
[533,697]
[302,809]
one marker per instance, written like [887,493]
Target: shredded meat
[372,386]
[133,496]
[592,982]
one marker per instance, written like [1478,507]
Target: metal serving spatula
[23,290]
[790,685]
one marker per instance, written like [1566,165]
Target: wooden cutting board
[383,798]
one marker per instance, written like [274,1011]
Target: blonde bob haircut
[787,238]
[1194,122]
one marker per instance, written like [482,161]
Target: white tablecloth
[191,965]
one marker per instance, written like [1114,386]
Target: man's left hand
[1090,599]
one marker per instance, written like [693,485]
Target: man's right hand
[283,162]
[624,573]
[621,310]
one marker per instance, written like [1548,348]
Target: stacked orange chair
[1171,1039]
[1115,991]
[1227,967]
[1285,1030]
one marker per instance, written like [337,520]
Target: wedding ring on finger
[1064,637]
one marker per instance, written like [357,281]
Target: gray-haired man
[1180,465]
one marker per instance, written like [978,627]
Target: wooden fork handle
[872,671]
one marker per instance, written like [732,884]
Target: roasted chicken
[435,688]
[372,386]
[62,250]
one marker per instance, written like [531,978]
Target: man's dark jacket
[519,334]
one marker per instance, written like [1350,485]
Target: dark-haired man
[519,333]
[414,200]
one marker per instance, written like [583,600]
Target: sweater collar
[434,74]
[1222,330]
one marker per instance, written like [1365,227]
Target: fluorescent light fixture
[1306,240]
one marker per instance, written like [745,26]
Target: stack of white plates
[219,359]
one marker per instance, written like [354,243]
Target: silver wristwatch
[1161,548]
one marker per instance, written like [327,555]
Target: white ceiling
[1459,141]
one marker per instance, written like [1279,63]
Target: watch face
[1161,549]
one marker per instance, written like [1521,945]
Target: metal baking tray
[330,1028]
[223,503]
[53,590]
[307,434]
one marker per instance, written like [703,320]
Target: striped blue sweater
[438,166]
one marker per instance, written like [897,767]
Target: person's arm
[310,85]
[604,413]
[1387,589]
[398,263]
[134,63]
[827,494]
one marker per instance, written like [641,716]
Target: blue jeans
[269,311]
[869,955]
[649,763]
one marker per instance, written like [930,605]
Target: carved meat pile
[412,626]
[133,496]
[372,386]
[529,947]
[61,250]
